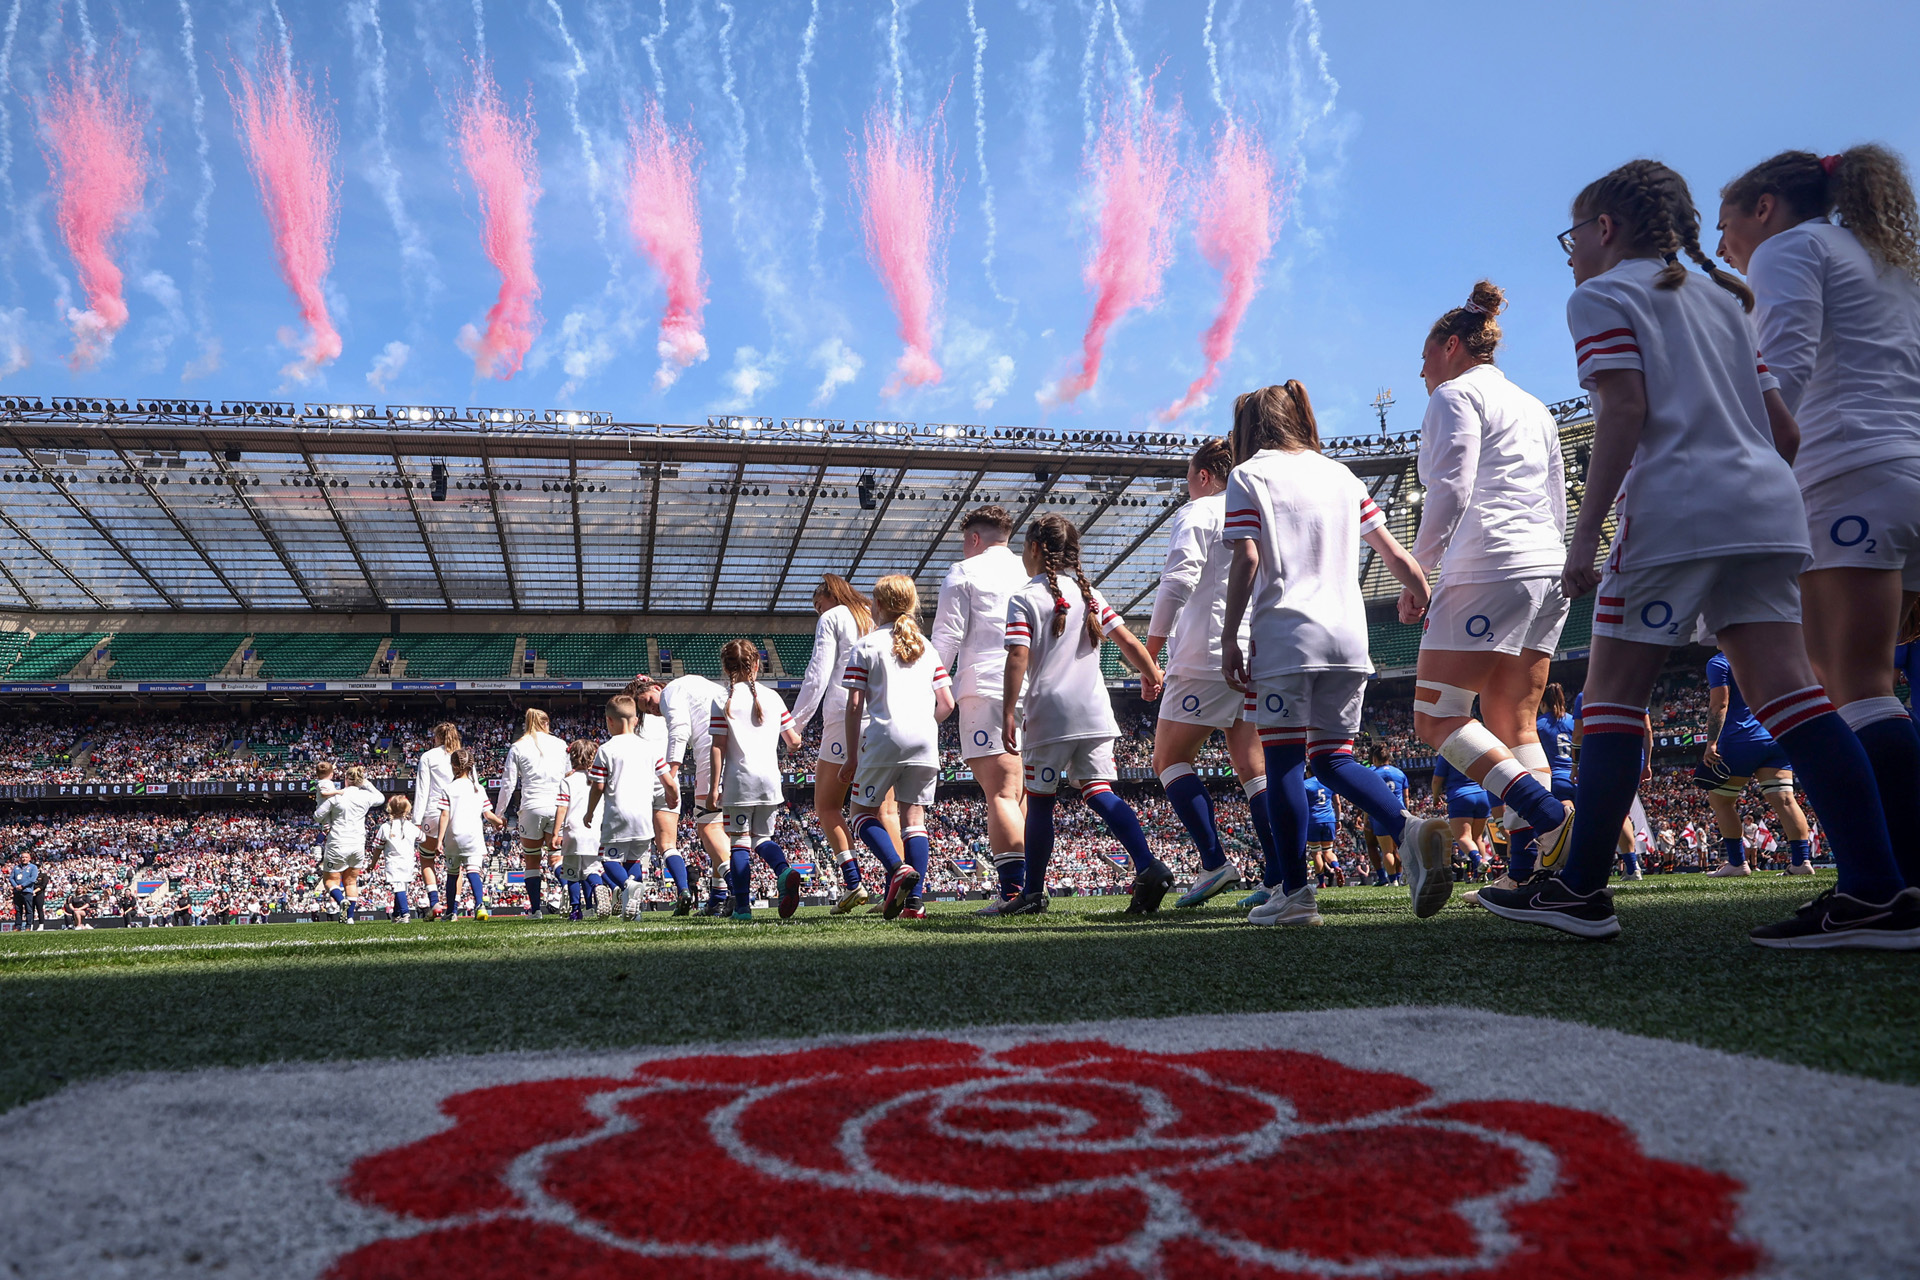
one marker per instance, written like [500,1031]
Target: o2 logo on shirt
[1480,627]
[1190,703]
[839,749]
[1657,615]
[1851,531]
[1049,775]
[1275,704]
[981,738]
[868,791]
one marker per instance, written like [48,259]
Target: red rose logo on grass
[930,1158]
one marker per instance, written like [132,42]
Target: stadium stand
[163,655]
[12,645]
[456,656]
[51,655]
[589,656]
[300,656]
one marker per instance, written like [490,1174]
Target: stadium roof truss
[182,506]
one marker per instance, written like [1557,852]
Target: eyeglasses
[1566,237]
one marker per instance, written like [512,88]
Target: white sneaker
[1632,875]
[1798,869]
[1472,896]
[1288,908]
[630,900]
[1426,858]
[1730,869]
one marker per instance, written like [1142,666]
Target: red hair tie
[1829,164]
[1060,605]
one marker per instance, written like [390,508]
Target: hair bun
[1487,298]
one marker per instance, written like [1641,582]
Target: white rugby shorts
[1201,700]
[833,738]
[751,823]
[910,783]
[464,854]
[981,720]
[1662,604]
[399,872]
[1523,614]
[535,825]
[1079,761]
[1315,709]
[634,850]
[333,861]
[1868,519]
[576,867]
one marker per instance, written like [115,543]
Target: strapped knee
[1779,785]
[1442,701]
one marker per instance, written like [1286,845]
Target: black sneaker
[1836,919]
[683,904]
[1029,903]
[1149,887]
[1546,900]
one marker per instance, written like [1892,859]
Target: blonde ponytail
[896,597]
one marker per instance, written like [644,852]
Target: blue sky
[1432,143]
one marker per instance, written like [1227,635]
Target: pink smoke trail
[99,158]
[1238,218]
[663,209]
[1134,163]
[290,144]
[905,209]
[498,151]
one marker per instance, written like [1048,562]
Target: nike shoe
[533,911]
[1150,888]
[1258,898]
[683,904]
[790,885]
[914,910]
[1472,896]
[349,920]
[481,913]
[900,887]
[1798,869]
[602,902]
[1426,854]
[1026,903]
[1289,908]
[1553,844]
[1834,920]
[1727,869]
[850,900]
[744,913]
[716,904]
[404,918]
[1546,900]
[1209,885]
[997,907]
[1634,874]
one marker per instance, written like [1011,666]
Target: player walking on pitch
[845,616]
[747,728]
[1191,606]
[431,776]
[899,685]
[634,781]
[1296,520]
[465,812]
[685,708]
[536,764]
[970,635]
[344,815]
[399,859]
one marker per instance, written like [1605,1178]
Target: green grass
[83,1005]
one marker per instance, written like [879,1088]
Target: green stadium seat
[457,656]
[1393,645]
[296,655]
[795,652]
[51,655]
[697,654]
[591,656]
[12,645]
[164,655]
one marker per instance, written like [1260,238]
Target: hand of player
[1579,576]
[713,798]
[1410,607]
[1711,756]
[1009,735]
[553,841]
[852,766]
[1234,664]
[1151,682]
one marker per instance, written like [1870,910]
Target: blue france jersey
[1556,739]
[1396,782]
[1906,660]
[1456,785]
[1319,803]
[1740,724]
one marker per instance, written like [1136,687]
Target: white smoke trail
[1086,73]
[418,268]
[575,74]
[6,140]
[980,149]
[1303,114]
[479,31]
[86,32]
[209,357]
[899,71]
[652,45]
[1136,86]
[738,144]
[286,37]
[818,222]
[1213,64]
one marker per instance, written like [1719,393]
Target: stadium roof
[187,505]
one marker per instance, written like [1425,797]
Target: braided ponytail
[740,659]
[1060,605]
[1866,185]
[1654,210]
[1091,618]
[1059,544]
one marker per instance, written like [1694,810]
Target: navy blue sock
[339,897]
[1194,807]
[1609,777]
[1121,821]
[1039,840]
[615,872]
[740,875]
[1288,811]
[1830,763]
[1734,850]
[575,894]
[433,899]
[353,908]
[850,871]
[401,907]
[677,869]
[1359,785]
[773,855]
[1630,859]
[1523,853]
[595,881]
[919,850]
[1893,745]
[1012,869]
[1534,802]
[874,835]
[477,885]
[1262,814]
[535,899]
[1800,852]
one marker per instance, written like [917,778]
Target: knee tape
[1465,745]
[1868,711]
[1779,784]
[1443,701]
[1174,772]
[1732,788]
[1534,757]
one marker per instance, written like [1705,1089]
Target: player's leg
[1091,769]
[1249,760]
[1724,802]
[350,891]
[331,891]
[1002,778]
[1042,768]
[1776,788]
[666,838]
[710,827]
[1509,703]
[533,859]
[916,851]
[1282,709]
[429,876]
[1176,744]
[738,827]
[830,786]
